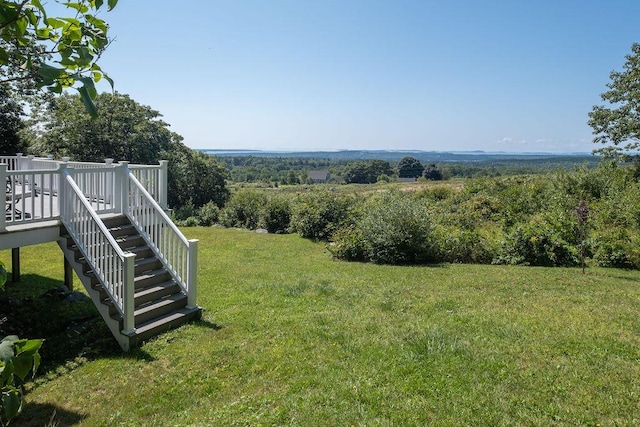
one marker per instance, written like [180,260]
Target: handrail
[113,267]
[177,253]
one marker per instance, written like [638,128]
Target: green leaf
[77,6]
[27,347]
[54,23]
[109,79]
[33,18]
[22,365]
[98,3]
[43,33]
[37,4]
[91,88]
[6,348]
[21,25]
[88,102]
[11,403]
[49,74]
[112,4]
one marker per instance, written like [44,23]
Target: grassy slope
[290,337]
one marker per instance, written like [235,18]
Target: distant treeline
[290,169]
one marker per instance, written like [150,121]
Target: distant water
[391,155]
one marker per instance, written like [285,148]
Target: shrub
[460,245]
[317,215]
[243,209]
[616,247]
[209,214]
[276,215]
[348,244]
[394,229]
[538,242]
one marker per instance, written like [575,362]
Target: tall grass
[291,337]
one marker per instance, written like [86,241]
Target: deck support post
[15,265]
[123,187]
[68,274]
[162,198]
[129,285]
[192,278]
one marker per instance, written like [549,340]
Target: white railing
[35,186]
[178,254]
[113,267]
[25,200]
[154,180]
[10,161]
[97,184]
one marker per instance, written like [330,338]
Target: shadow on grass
[44,414]
[72,329]
[207,324]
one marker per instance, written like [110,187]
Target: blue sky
[354,74]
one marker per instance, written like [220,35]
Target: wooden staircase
[160,304]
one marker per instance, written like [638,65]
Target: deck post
[162,185]
[19,161]
[129,285]
[123,188]
[68,274]
[63,169]
[192,284]
[3,179]
[15,265]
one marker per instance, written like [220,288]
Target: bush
[318,215]
[616,248]
[538,242]
[208,214]
[276,215]
[460,245]
[394,229]
[243,209]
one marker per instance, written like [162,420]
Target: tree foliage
[618,123]
[410,167]
[11,122]
[54,52]
[366,172]
[126,130]
[432,173]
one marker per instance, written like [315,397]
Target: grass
[291,337]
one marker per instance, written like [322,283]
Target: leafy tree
[11,122]
[194,178]
[410,167]
[432,173]
[54,52]
[126,130]
[619,123]
[366,172]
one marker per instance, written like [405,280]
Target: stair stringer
[114,325]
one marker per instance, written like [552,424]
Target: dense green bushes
[392,229]
[522,220]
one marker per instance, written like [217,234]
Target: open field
[291,337]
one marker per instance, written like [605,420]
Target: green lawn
[291,337]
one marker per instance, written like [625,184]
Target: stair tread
[156,288]
[149,274]
[154,305]
[161,321]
